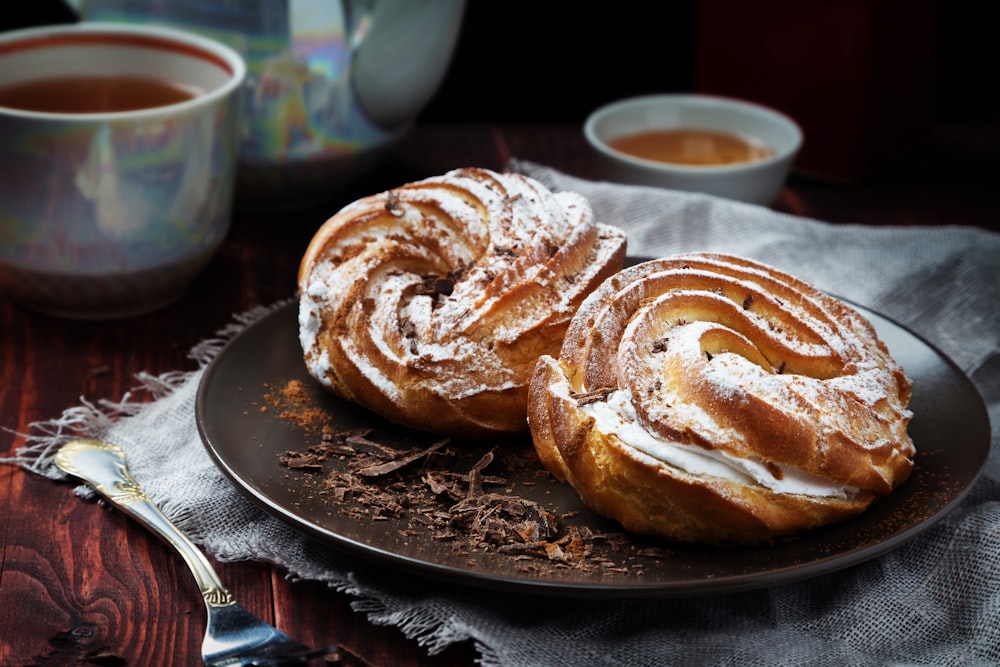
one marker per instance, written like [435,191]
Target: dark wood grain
[80,584]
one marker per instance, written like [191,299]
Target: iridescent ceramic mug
[118,154]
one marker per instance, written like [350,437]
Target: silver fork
[234,636]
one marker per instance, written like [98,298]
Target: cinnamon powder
[296,405]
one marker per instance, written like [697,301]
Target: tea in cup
[710,144]
[118,153]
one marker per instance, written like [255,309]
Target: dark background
[528,61]
[524,61]
[538,61]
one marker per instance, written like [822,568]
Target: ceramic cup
[757,181]
[112,211]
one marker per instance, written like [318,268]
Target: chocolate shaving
[476,475]
[408,330]
[302,461]
[366,468]
[359,443]
[444,483]
[392,204]
[499,519]
[595,396]
[444,285]
[438,287]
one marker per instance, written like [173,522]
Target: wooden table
[78,581]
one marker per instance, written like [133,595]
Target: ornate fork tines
[234,636]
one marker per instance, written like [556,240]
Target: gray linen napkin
[933,601]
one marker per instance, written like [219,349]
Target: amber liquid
[691,147]
[92,94]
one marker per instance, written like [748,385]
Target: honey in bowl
[691,147]
[92,94]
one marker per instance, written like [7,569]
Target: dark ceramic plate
[246,436]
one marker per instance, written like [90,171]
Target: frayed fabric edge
[416,622]
[92,419]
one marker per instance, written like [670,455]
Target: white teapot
[331,84]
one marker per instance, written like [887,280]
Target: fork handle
[103,466]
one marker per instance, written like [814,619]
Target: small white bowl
[756,182]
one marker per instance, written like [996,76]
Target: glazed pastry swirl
[429,304]
[710,398]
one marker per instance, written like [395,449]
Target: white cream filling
[616,415]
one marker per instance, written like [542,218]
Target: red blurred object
[857,75]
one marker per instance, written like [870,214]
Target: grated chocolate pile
[434,491]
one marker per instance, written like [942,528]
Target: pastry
[429,304]
[712,399]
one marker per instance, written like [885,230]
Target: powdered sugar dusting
[697,346]
[445,280]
